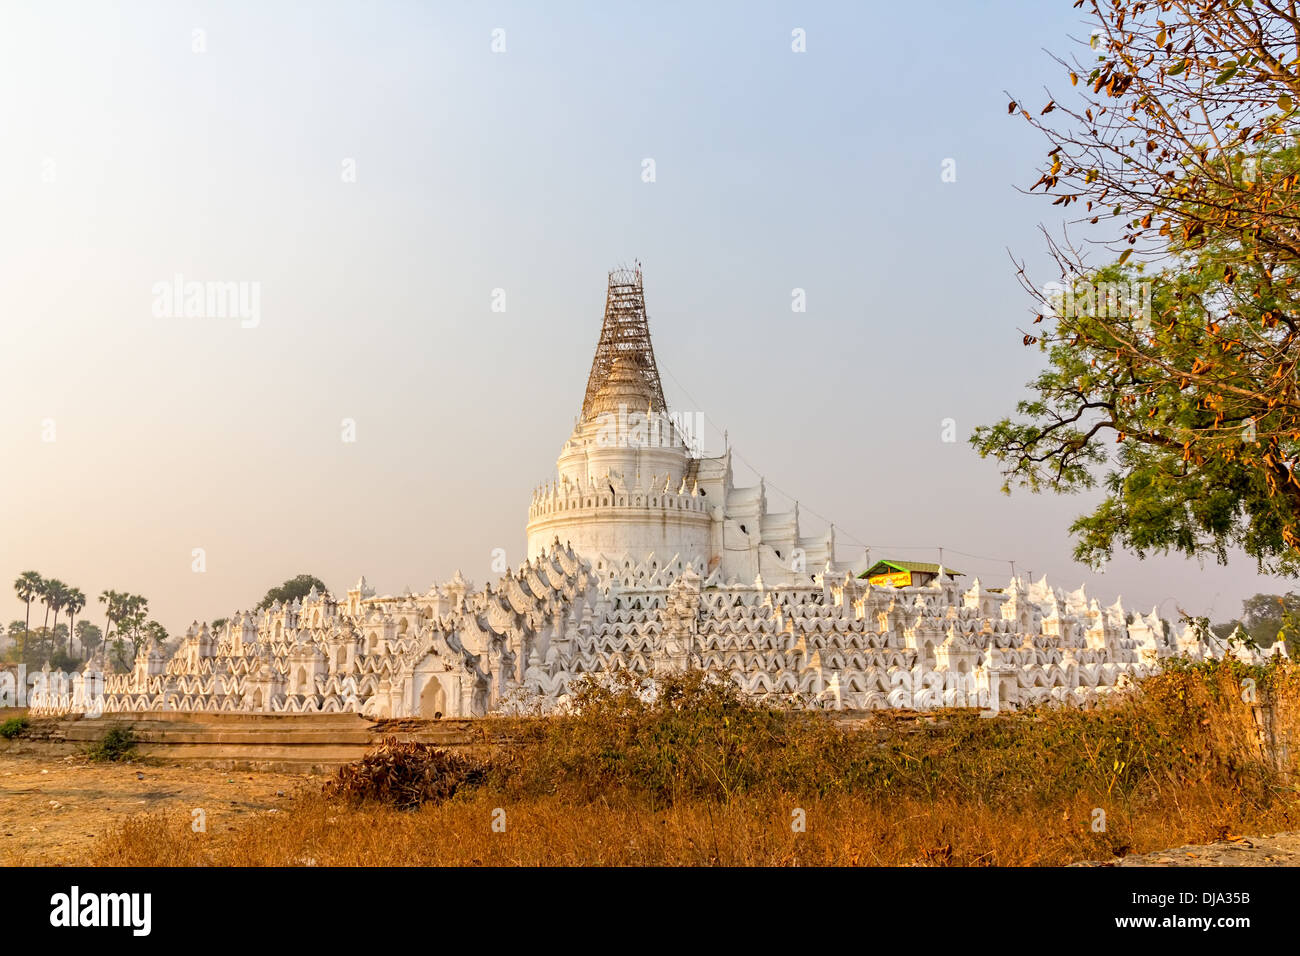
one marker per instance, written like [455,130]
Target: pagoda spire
[625,335]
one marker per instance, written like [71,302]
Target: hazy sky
[377,171]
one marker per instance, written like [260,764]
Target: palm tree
[28,588]
[74,602]
[43,592]
[111,601]
[56,596]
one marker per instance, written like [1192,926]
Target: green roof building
[903,574]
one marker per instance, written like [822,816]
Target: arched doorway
[433,699]
[1006,692]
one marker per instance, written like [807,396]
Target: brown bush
[406,775]
[701,739]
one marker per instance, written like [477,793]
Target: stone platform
[282,742]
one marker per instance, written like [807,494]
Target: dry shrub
[701,739]
[406,774]
[700,776]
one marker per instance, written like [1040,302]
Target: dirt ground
[53,808]
[1278,849]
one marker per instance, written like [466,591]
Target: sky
[420,202]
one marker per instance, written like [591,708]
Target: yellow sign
[896,579]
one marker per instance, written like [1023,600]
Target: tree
[60,657]
[28,588]
[63,661]
[127,612]
[111,601]
[132,612]
[15,635]
[47,595]
[56,596]
[1266,618]
[294,588]
[153,631]
[1177,140]
[89,637]
[1226,629]
[74,603]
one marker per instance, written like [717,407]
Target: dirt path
[52,810]
[1277,849]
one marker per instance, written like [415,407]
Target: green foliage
[1199,443]
[61,660]
[74,601]
[295,588]
[55,595]
[89,636]
[68,643]
[13,727]
[1266,618]
[118,743]
[16,634]
[37,647]
[28,588]
[1186,412]
[127,613]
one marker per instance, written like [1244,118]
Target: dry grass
[702,778]
[841,831]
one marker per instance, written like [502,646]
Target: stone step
[278,752]
[299,742]
[266,721]
[255,738]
